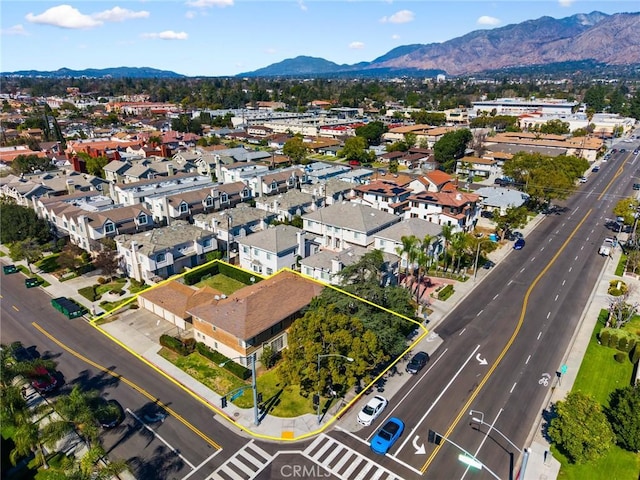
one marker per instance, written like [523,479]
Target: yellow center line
[465,408]
[140,390]
[15,308]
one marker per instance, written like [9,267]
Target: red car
[42,380]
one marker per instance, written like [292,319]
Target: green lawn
[49,264]
[107,287]
[598,376]
[222,283]
[599,373]
[283,401]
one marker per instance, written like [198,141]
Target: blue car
[387,436]
[518,244]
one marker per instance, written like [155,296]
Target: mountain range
[588,42]
[590,39]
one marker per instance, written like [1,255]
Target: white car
[372,410]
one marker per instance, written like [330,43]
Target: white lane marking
[514,386]
[542,249]
[548,315]
[497,294]
[556,298]
[412,388]
[570,268]
[582,247]
[539,335]
[435,402]
[510,282]
[575,258]
[563,282]
[479,313]
[462,331]
[522,270]
[486,436]
[202,464]
[155,434]
[527,360]
[533,258]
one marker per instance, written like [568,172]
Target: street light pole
[524,451]
[475,264]
[254,385]
[324,355]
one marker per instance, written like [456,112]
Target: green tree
[555,127]
[27,250]
[90,466]
[24,164]
[580,428]
[108,262]
[451,147]
[594,97]
[20,223]
[429,118]
[514,217]
[296,149]
[77,411]
[408,250]
[372,132]
[95,166]
[355,149]
[626,208]
[623,413]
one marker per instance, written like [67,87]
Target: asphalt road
[520,321]
[189,438]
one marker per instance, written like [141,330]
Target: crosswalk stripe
[352,467]
[250,458]
[343,460]
[363,474]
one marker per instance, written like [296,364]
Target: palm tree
[459,241]
[408,249]
[446,234]
[76,412]
[423,259]
[91,466]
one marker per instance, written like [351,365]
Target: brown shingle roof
[179,298]
[256,308]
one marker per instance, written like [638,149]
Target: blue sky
[227,37]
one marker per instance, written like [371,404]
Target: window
[382,243]
[109,227]
[207,242]
[161,257]
[224,198]
[184,208]
[245,249]
[256,251]
[268,256]
[278,344]
[269,271]
[142,219]
[245,193]
[208,202]
[274,185]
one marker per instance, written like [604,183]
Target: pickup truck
[606,247]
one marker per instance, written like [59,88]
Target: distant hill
[594,39]
[118,72]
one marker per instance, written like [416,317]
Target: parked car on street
[583,179]
[387,436]
[636,186]
[372,410]
[518,244]
[418,361]
[42,379]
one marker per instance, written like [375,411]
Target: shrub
[446,292]
[102,280]
[218,358]
[175,344]
[89,293]
[620,357]
[623,344]
[614,338]
[194,276]
[635,356]
[605,335]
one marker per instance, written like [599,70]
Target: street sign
[472,462]
[238,394]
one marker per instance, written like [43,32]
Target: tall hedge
[182,347]
[194,276]
[218,358]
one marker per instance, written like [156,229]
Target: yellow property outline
[218,411]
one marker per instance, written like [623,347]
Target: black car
[109,413]
[418,361]
[636,186]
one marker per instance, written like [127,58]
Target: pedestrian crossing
[244,465]
[344,462]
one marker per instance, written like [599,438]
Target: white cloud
[190,14]
[402,16]
[117,14]
[14,30]
[302,6]
[565,3]
[487,20]
[270,51]
[395,36]
[167,35]
[64,16]
[356,45]
[210,3]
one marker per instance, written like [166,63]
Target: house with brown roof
[458,209]
[173,300]
[433,181]
[255,316]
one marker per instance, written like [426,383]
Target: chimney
[71,188]
[170,170]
